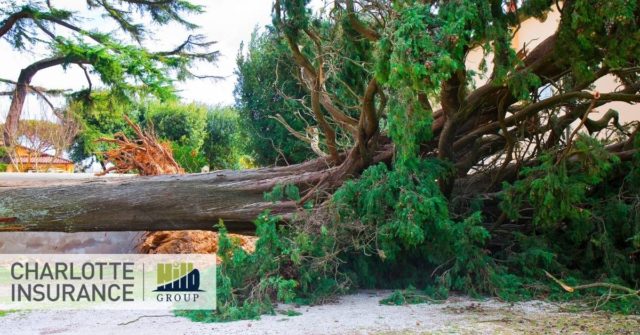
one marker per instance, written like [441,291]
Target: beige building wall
[29,165]
[533,32]
[42,167]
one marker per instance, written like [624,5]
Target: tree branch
[9,22]
[536,107]
[22,88]
[363,30]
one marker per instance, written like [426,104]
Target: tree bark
[21,90]
[171,202]
[168,202]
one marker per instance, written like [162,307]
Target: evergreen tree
[267,89]
[126,68]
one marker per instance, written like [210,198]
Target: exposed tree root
[145,154]
[150,157]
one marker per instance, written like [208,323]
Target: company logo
[177,277]
[107,281]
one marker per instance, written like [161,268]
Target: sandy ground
[354,314]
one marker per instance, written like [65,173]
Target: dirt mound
[190,242]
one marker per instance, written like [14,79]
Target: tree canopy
[483,177]
[120,60]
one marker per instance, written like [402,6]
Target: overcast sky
[227,21]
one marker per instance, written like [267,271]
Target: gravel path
[354,314]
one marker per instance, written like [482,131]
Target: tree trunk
[15,109]
[21,90]
[168,202]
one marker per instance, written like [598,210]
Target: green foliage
[116,63]
[555,187]
[188,157]
[100,114]
[415,234]
[600,33]
[3,167]
[412,296]
[280,192]
[290,312]
[413,38]
[295,16]
[280,269]
[182,124]
[44,14]
[267,87]
[225,145]
[584,217]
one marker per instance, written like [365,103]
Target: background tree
[267,89]
[181,124]
[46,136]
[200,135]
[70,40]
[226,144]
[98,115]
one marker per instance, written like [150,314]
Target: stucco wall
[532,32]
[41,168]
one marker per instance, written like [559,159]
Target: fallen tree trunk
[169,202]
[188,202]
[154,203]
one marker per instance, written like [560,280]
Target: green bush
[225,145]
[188,157]
[585,219]
[179,123]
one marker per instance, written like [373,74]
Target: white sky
[227,21]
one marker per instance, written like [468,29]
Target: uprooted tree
[404,87]
[442,163]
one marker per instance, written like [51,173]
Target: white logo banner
[107,281]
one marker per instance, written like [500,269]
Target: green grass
[3,313]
